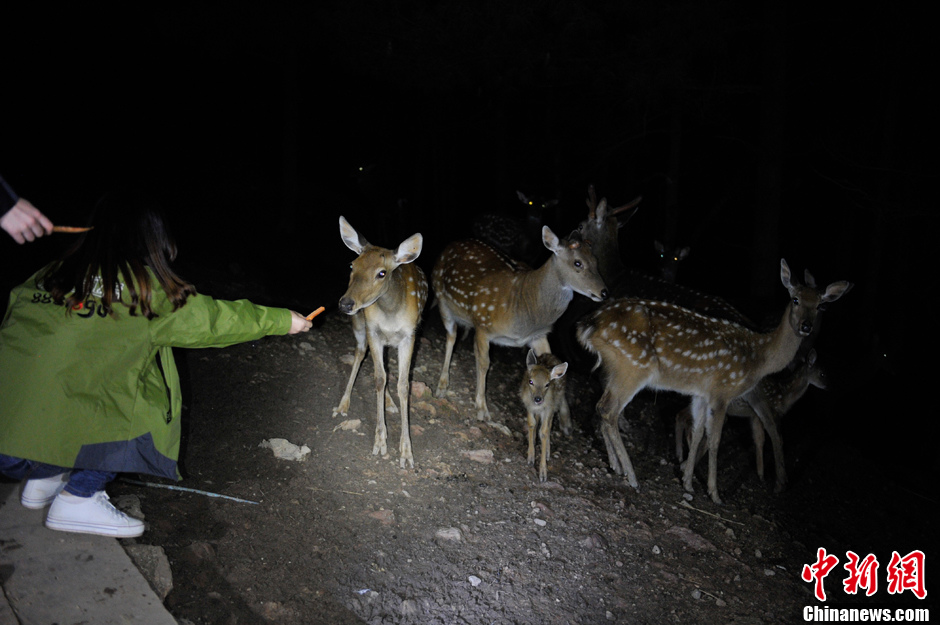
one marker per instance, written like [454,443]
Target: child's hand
[298,323]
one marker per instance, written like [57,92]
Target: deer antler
[627,206]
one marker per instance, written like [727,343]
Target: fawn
[645,344]
[386,296]
[509,304]
[543,394]
[772,398]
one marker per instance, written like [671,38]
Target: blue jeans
[82,482]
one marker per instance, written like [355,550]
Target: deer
[769,401]
[385,298]
[517,238]
[601,229]
[668,259]
[506,303]
[543,394]
[658,345]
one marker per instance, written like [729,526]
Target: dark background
[753,130]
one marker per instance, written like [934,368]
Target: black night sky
[753,130]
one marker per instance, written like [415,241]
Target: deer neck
[544,294]
[780,346]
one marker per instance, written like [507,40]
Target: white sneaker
[37,494]
[91,515]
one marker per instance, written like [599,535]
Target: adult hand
[24,222]
[298,323]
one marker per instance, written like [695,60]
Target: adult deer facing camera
[386,296]
[645,344]
[507,304]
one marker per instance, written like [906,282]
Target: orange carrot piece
[315,313]
[69,229]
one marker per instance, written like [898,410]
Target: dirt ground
[470,535]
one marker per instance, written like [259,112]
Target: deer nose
[806,327]
[604,294]
[346,305]
[537,399]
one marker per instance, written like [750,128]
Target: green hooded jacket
[85,390]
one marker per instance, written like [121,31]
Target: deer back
[488,291]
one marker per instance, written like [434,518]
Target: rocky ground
[470,535]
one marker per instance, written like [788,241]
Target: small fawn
[543,394]
[386,296]
[645,344]
[772,398]
[508,304]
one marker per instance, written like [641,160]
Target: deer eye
[381,274]
[822,307]
[796,301]
[532,383]
[577,264]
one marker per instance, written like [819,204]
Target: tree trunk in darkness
[765,250]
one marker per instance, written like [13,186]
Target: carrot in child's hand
[69,229]
[315,313]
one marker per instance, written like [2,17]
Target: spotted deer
[543,394]
[385,298]
[646,344]
[509,304]
[772,398]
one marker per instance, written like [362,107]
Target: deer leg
[757,435]
[482,349]
[564,416]
[530,429]
[700,415]
[769,421]
[545,436]
[714,438]
[379,447]
[359,331]
[450,326]
[683,418]
[405,352]
[609,408]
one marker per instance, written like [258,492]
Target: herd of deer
[678,340]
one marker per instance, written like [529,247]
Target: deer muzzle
[346,305]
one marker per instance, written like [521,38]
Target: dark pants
[82,482]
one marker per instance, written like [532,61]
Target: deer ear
[531,359]
[353,240]
[684,253]
[601,211]
[659,247]
[559,370]
[836,290]
[410,249]
[550,239]
[785,274]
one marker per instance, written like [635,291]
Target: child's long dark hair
[129,234]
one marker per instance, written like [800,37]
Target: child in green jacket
[88,384]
